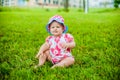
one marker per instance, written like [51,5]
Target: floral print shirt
[56,51]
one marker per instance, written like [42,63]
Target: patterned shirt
[56,51]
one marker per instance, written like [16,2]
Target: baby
[57,47]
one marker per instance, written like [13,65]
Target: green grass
[96,34]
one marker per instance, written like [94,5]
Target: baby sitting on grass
[57,47]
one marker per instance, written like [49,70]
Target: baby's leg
[65,62]
[42,58]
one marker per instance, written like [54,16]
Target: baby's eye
[52,27]
[58,26]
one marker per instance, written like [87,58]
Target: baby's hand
[65,45]
[37,56]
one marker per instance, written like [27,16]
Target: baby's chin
[57,34]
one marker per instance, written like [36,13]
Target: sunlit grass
[96,34]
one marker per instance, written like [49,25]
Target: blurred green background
[22,32]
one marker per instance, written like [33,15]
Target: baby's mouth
[55,31]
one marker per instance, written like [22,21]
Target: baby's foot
[57,65]
[36,66]
[53,67]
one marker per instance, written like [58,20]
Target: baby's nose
[55,28]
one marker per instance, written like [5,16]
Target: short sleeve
[69,38]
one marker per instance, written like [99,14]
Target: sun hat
[60,20]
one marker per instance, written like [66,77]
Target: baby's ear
[63,30]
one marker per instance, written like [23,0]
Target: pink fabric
[56,51]
[58,18]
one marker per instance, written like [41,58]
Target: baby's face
[56,29]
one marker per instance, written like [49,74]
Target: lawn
[97,52]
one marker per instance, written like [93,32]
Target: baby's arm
[71,44]
[43,48]
[68,45]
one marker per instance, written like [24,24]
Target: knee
[72,60]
